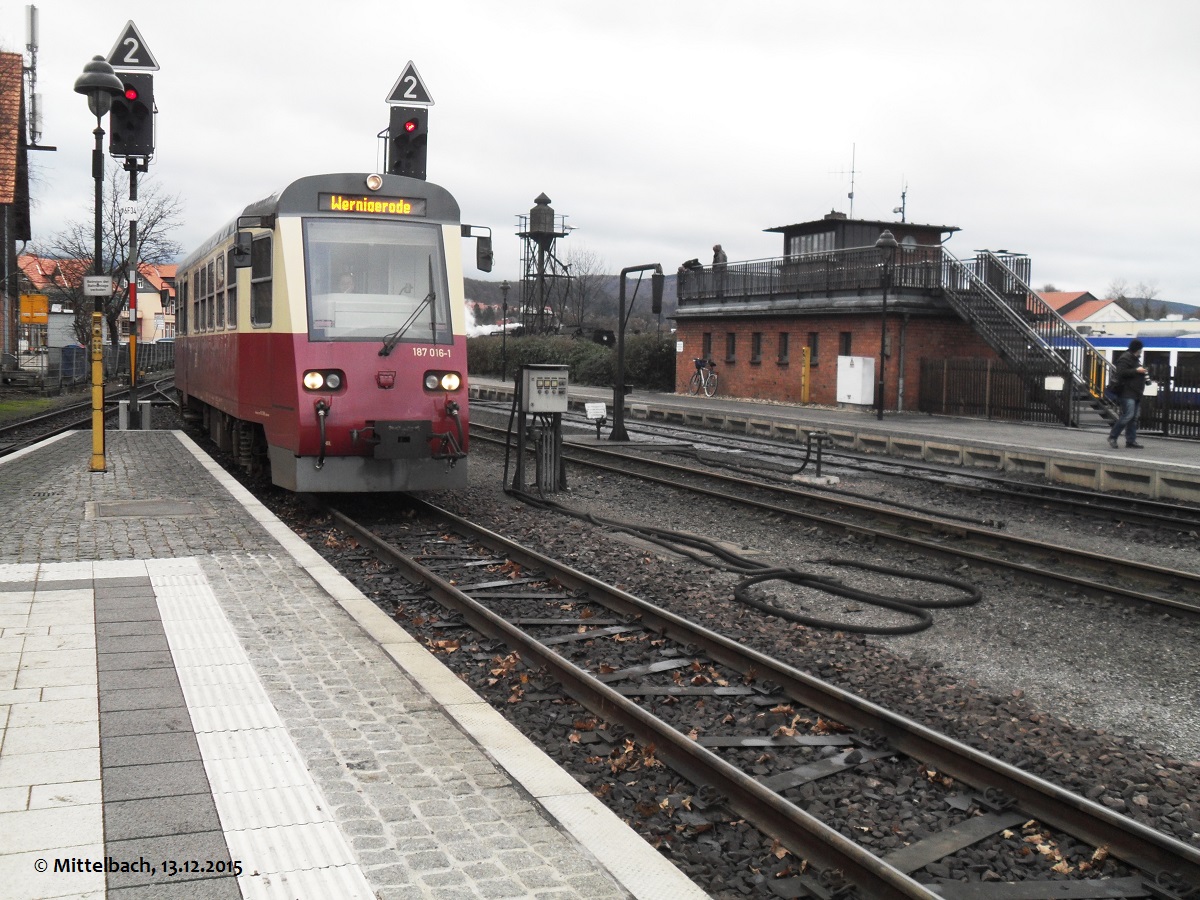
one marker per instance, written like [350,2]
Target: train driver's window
[369,280]
[260,282]
[232,292]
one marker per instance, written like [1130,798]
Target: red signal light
[131,92]
[410,125]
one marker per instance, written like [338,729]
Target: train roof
[300,197]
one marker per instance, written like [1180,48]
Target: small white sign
[97,286]
[129,209]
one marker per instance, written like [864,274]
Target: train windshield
[367,278]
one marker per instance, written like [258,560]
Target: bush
[649,360]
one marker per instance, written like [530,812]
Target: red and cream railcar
[322,333]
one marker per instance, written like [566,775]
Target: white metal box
[856,380]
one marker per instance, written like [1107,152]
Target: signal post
[131,135]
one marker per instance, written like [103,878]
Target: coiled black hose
[703,549]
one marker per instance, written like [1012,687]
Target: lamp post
[504,286]
[886,245]
[99,83]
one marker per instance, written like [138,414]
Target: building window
[844,343]
[730,347]
[756,348]
[799,244]
[706,346]
[814,344]
[784,348]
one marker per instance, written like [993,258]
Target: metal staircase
[1027,333]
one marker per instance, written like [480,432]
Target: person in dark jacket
[1129,383]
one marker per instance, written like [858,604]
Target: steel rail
[1139,845]
[1124,570]
[1157,513]
[800,832]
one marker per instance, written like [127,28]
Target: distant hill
[1187,310]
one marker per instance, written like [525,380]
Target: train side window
[231,292]
[209,290]
[260,282]
[197,293]
[181,303]
[219,297]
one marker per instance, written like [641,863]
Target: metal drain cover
[145,509]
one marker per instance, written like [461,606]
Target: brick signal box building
[777,327]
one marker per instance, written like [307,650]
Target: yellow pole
[98,462]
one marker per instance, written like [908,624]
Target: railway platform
[193,703]
[1166,469]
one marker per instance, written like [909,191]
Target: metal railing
[828,273]
[997,285]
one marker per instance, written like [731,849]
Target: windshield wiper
[389,342]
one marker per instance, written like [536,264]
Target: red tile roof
[47,274]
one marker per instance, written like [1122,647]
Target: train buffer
[598,413]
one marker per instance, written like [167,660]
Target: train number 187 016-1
[433,352]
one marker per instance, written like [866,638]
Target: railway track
[928,532]
[776,738]
[15,436]
[762,455]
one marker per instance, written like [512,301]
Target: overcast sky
[1065,129]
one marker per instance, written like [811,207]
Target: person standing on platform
[719,261]
[1129,383]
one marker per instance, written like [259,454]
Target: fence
[55,369]
[1174,409]
[982,388]
[988,389]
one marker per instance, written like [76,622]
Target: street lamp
[504,286]
[886,245]
[99,83]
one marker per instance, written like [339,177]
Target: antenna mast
[853,148]
[903,201]
[31,45]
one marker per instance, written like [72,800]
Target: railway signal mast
[408,128]
[131,135]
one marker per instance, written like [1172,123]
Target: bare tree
[588,279]
[158,216]
[1139,300]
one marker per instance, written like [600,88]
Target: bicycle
[705,377]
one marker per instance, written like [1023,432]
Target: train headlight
[442,381]
[323,380]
